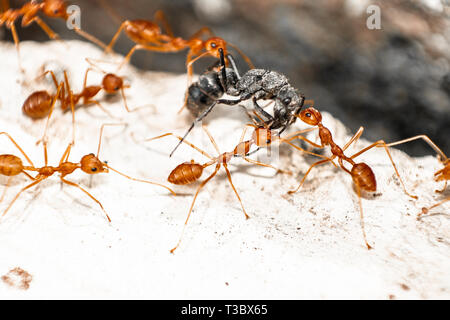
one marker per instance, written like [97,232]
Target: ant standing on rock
[362,175]
[29,13]
[149,36]
[11,165]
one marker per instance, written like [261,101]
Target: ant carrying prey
[189,172]
[255,84]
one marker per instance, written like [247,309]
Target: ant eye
[308,114]
[213,45]
[93,169]
[287,101]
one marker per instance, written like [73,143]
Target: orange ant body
[361,173]
[29,13]
[440,175]
[38,104]
[189,172]
[149,36]
[11,165]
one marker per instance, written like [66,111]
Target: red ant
[440,175]
[189,172]
[362,175]
[149,36]
[39,103]
[29,11]
[11,165]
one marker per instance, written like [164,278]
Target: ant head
[91,165]
[290,98]
[212,45]
[112,83]
[55,9]
[311,116]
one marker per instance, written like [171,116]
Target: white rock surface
[308,245]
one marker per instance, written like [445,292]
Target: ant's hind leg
[20,192]
[193,202]
[16,43]
[91,196]
[443,189]
[307,172]
[362,217]
[426,210]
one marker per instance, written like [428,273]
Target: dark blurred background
[395,81]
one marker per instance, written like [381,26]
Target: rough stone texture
[308,245]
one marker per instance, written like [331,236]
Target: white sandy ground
[308,245]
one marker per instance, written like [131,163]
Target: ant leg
[306,151]
[89,37]
[211,138]
[204,114]
[261,110]
[244,56]
[101,134]
[51,34]
[160,17]
[443,189]
[234,189]
[184,141]
[353,139]
[23,189]
[6,187]
[233,65]
[426,139]
[66,154]
[16,42]
[309,170]
[101,107]
[383,144]
[201,31]
[140,180]
[91,196]
[124,24]
[362,217]
[266,165]
[142,47]
[189,65]
[193,202]
[18,147]
[425,210]
[44,137]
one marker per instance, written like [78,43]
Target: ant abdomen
[364,177]
[37,105]
[10,165]
[185,173]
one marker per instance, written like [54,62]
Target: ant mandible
[29,13]
[362,175]
[11,165]
[440,175]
